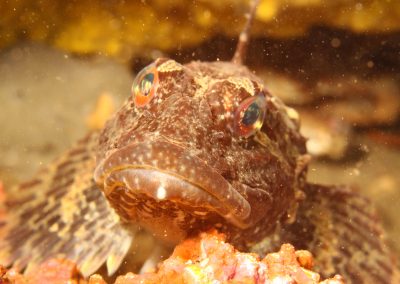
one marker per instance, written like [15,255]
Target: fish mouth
[166,171]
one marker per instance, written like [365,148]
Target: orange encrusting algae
[208,259]
[203,259]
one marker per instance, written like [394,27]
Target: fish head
[200,145]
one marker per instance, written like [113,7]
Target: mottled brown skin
[189,115]
[179,165]
[184,145]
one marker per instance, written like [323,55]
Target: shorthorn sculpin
[194,146]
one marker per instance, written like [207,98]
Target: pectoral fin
[63,213]
[342,231]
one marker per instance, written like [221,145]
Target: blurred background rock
[125,28]
[66,65]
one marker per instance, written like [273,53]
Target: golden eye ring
[145,85]
[249,116]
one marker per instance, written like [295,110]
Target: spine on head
[243,42]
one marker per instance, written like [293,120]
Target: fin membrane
[63,213]
[342,231]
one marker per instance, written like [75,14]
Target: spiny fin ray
[62,213]
[343,232]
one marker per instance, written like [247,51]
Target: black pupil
[251,114]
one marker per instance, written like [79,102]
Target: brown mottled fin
[62,213]
[342,231]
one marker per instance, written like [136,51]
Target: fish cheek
[266,180]
[258,198]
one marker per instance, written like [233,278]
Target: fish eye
[249,116]
[145,85]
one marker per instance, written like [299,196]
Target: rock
[46,97]
[208,258]
[126,28]
[55,271]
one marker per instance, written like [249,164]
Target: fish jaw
[162,173]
